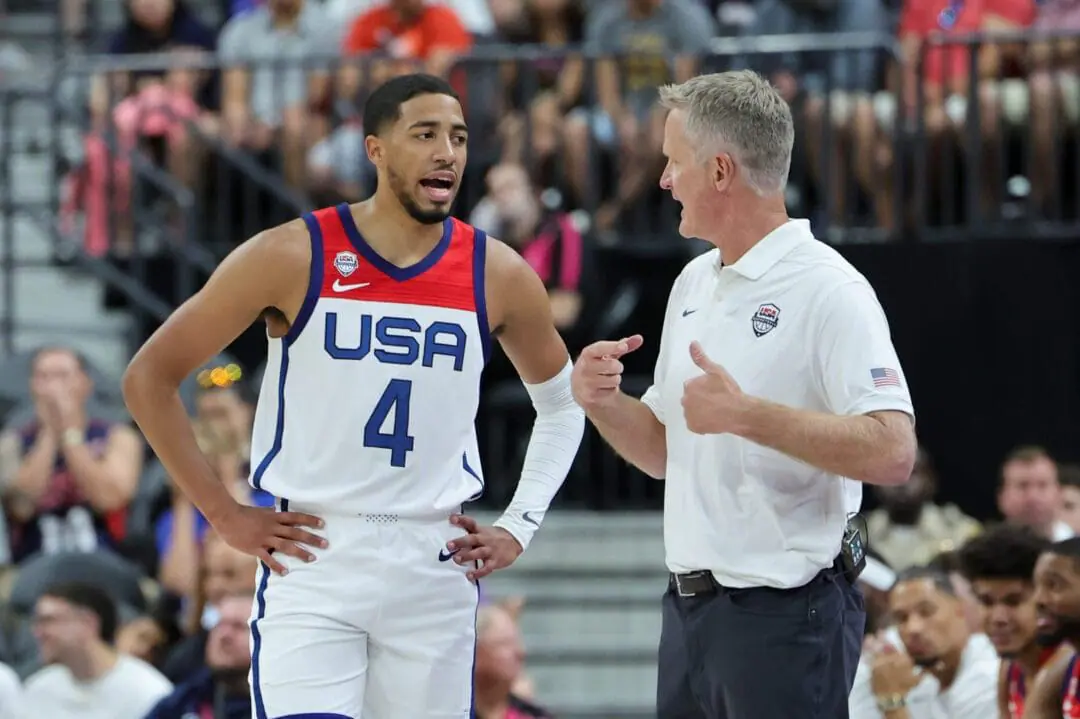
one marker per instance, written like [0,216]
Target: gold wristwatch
[891,702]
[72,437]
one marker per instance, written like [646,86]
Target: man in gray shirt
[275,58]
[636,39]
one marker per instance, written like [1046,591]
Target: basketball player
[1055,693]
[379,316]
[1000,564]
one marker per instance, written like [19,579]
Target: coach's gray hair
[741,113]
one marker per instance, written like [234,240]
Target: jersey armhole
[479,290]
[1067,680]
[315,279]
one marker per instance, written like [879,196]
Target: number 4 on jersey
[395,398]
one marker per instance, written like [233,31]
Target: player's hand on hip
[712,402]
[598,371]
[263,532]
[493,547]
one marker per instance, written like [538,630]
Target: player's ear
[374,149]
[723,171]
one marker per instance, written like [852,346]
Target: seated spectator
[402,30]
[148,104]
[939,668]
[338,167]
[475,15]
[628,124]
[76,473]
[75,626]
[908,529]
[1030,493]
[945,84]
[275,82]
[546,89]
[499,658]
[223,571]
[1054,85]
[220,689]
[549,241]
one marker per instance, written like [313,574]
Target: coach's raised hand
[712,402]
[494,547]
[264,532]
[598,371]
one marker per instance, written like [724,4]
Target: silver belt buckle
[679,587]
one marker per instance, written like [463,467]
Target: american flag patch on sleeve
[885,377]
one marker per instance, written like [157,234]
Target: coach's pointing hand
[260,531]
[493,547]
[598,371]
[713,402]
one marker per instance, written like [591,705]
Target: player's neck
[747,225]
[393,233]
[1028,660]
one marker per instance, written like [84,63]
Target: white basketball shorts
[382,625]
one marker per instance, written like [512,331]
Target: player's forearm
[633,431]
[155,406]
[859,447]
[556,437]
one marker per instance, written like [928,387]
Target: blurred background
[938,148]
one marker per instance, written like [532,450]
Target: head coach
[777,391]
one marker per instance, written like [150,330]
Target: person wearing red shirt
[406,31]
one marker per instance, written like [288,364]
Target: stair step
[572,688]
[585,628]
[106,351]
[57,295]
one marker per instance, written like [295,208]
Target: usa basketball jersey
[1070,691]
[1015,686]
[368,403]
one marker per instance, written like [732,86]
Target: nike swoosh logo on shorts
[444,556]
[338,287]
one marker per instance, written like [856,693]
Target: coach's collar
[772,248]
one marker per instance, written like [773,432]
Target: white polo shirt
[794,323]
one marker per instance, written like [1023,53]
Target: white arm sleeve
[554,443]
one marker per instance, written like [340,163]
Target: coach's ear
[723,172]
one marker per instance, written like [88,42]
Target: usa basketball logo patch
[345,263]
[765,319]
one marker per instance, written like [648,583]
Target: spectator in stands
[1030,493]
[407,32]
[76,473]
[223,420]
[945,84]
[1069,476]
[549,241]
[546,89]
[75,626]
[10,693]
[220,689]
[940,669]
[1054,85]
[475,15]
[1000,564]
[909,529]
[275,83]
[224,571]
[639,36]
[500,654]
[804,77]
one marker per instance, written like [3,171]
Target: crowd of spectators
[283,80]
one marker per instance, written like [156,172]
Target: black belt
[702,582]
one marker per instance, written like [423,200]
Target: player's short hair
[939,578]
[1005,551]
[91,598]
[80,358]
[1024,454]
[741,113]
[1067,548]
[383,106]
